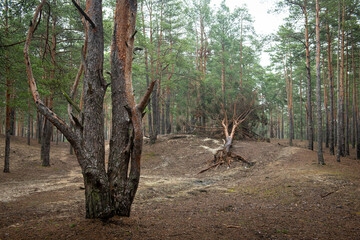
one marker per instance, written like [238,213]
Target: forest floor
[285,195]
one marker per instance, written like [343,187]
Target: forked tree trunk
[112,192]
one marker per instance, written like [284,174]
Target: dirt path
[286,195]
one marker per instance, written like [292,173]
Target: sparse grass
[284,231]
[149,155]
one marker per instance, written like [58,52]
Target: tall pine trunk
[318,88]
[326,108]
[308,75]
[147,66]
[331,92]
[156,92]
[346,116]
[340,103]
[48,128]
[358,120]
[8,109]
[354,117]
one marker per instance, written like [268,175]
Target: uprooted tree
[229,128]
[111,192]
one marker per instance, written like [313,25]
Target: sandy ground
[285,195]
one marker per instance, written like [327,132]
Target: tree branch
[84,14]
[12,44]
[145,100]
[43,109]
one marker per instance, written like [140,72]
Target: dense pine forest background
[205,60]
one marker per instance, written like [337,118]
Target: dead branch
[145,100]
[84,14]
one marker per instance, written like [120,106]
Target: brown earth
[285,195]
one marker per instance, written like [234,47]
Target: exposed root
[222,157]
